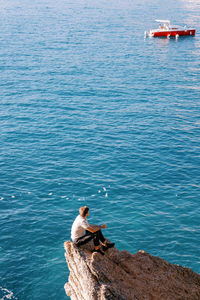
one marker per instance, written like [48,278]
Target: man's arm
[94,228]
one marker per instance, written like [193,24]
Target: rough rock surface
[120,275]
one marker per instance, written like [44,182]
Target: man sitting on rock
[82,232]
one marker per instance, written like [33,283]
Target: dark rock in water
[121,275]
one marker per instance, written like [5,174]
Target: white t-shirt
[78,227]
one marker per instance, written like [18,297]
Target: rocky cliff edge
[121,275]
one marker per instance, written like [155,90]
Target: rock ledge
[120,275]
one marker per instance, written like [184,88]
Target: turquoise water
[93,114]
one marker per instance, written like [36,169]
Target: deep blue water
[93,114]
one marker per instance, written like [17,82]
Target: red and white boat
[165,29]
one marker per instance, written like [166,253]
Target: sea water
[91,113]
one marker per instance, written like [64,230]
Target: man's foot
[108,245]
[97,250]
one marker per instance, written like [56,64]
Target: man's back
[78,227]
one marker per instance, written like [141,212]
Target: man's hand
[103,226]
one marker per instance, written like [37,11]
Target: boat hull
[173,33]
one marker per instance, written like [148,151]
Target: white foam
[81,199]
[104,189]
[50,194]
[1,198]
[106,195]
[9,293]
[189,229]
[195,185]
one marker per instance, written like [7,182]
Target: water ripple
[91,114]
